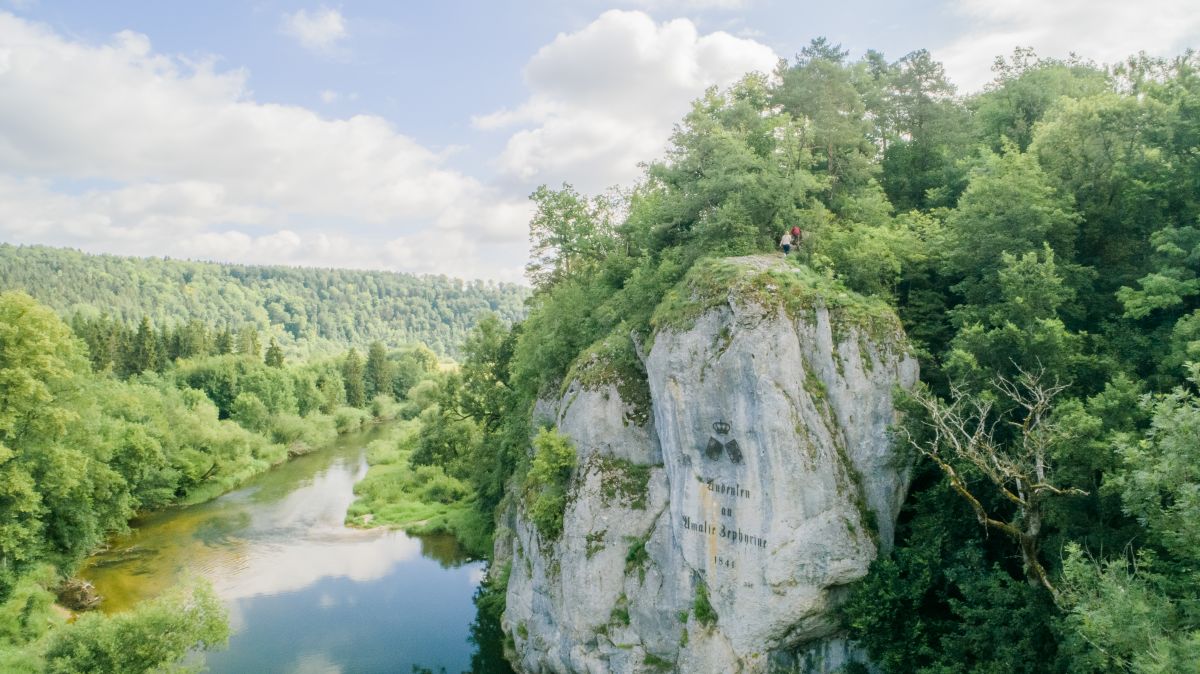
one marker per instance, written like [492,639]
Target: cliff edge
[734,476]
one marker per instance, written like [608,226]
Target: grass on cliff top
[770,282]
[420,501]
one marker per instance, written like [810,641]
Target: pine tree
[224,343]
[352,378]
[192,339]
[274,356]
[378,371]
[248,344]
[142,354]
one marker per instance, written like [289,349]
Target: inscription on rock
[726,489]
[730,534]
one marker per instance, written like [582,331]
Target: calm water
[305,593]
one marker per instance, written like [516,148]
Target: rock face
[715,520]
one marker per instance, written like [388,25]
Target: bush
[440,487]
[546,484]
[155,634]
[384,408]
[303,434]
[349,419]
[250,412]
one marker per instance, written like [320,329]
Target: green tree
[484,391]
[333,391]
[157,634]
[410,367]
[378,372]
[568,231]
[250,412]
[190,340]
[1019,328]
[274,357]
[919,166]
[1137,612]
[352,379]
[819,89]
[39,364]
[1024,88]
[445,440]
[247,342]
[1107,152]
[1008,207]
[223,344]
[143,354]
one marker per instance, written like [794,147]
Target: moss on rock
[770,283]
[613,361]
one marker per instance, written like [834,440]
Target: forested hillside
[1040,241]
[336,307]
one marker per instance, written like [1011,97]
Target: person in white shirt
[785,242]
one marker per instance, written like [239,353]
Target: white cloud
[329,96]
[687,4]
[1104,30]
[115,147]
[319,30]
[606,97]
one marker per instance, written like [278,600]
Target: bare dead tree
[964,430]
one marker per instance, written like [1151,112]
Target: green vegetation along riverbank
[417,499]
[100,423]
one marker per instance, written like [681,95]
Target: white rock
[798,495]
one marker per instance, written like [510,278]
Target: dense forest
[1040,241]
[320,310]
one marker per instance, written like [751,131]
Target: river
[304,592]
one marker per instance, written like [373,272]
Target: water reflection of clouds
[274,537]
[299,539]
[315,663]
[294,565]
[475,576]
[321,502]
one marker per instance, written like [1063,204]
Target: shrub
[349,419]
[302,434]
[158,633]
[705,613]
[547,481]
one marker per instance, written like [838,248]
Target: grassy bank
[419,500]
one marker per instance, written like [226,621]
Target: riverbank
[420,501]
[294,437]
[303,591]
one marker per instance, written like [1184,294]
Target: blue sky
[406,135]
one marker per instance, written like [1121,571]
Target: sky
[407,136]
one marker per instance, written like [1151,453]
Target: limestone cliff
[721,506]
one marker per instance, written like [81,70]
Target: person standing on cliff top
[785,242]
